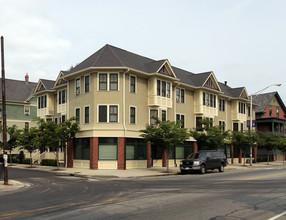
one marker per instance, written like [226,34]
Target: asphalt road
[236,194]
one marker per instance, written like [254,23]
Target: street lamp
[250,124]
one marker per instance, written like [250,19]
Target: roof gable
[266,99]
[211,82]
[166,69]
[44,85]
[60,80]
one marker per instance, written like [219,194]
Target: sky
[242,41]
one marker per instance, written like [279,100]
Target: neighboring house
[114,94]
[21,105]
[270,117]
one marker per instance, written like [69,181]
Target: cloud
[33,41]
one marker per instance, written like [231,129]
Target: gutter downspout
[124,102]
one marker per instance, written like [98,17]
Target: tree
[67,131]
[14,137]
[244,140]
[165,134]
[209,137]
[270,141]
[282,146]
[28,139]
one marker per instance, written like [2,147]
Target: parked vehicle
[203,161]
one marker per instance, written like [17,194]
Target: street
[257,193]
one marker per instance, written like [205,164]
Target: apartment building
[114,93]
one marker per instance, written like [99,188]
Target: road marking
[277,216]
[251,178]
[53,208]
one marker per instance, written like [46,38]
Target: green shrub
[21,156]
[49,162]
[26,161]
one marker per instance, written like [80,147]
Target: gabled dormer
[211,82]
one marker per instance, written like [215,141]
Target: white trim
[79,86]
[108,105]
[88,83]
[79,113]
[108,81]
[88,114]
[135,84]
[132,106]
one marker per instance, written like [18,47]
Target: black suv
[203,161]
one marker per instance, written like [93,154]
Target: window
[77,86]
[77,114]
[56,120]
[27,110]
[241,127]
[248,111]
[102,109]
[26,124]
[136,149]
[209,100]
[177,95]
[277,111]
[163,88]
[62,97]
[86,114]
[164,115]
[168,90]
[181,118]
[86,84]
[132,115]
[107,113]
[235,126]
[132,84]
[113,113]
[158,87]
[153,116]
[113,81]
[63,118]
[182,96]
[222,105]
[270,110]
[107,148]
[241,107]
[102,81]
[199,124]
[82,149]
[42,102]
[222,125]
[108,81]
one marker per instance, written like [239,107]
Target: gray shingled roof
[17,91]
[264,99]
[110,56]
[48,84]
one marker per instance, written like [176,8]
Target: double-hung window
[86,114]
[77,114]
[77,86]
[164,115]
[62,97]
[86,84]
[180,95]
[42,101]
[132,115]
[103,81]
[108,81]
[153,116]
[180,117]
[163,88]
[113,85]
[108,113]
[132,84]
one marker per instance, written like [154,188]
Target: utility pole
[4,115]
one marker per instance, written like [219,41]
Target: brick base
[121,153]
[94,153]
[70,150]
[164,158]
[148,154]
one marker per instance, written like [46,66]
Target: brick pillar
[94,153]
[240,155]
[196,148]
[164,158]
[232,153]
[121,153]
[255,154]
[148,154]
[70,150]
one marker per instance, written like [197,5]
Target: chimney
[27,78]
[225,82]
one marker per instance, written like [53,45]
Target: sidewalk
[116,174]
